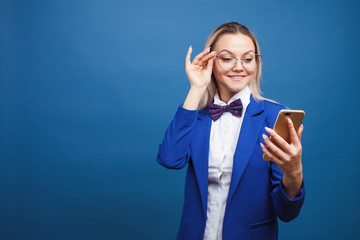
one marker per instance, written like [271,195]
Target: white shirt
[223,139]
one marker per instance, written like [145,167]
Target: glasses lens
[250,61]
[226,62]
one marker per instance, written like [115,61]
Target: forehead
[235,43]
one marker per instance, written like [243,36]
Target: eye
[248,59]
[226,59]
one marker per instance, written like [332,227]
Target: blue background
[89,87]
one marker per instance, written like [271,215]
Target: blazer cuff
[299,196]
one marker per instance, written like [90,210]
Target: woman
[219,131]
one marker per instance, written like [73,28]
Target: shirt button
[212,226]
[217,204]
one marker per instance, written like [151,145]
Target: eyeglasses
[250,61]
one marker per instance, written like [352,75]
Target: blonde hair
[231,28]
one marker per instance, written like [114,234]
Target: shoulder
[272,106]
[271,110]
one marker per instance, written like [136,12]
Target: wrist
[194,97]
[198,89]
[293,180]
[292,183]
[296,174]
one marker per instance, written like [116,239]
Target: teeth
[236,76]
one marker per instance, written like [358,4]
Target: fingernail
[190,46]
[264,136]
[262,145]
[268,129]
[289,120]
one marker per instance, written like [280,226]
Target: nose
[238,65]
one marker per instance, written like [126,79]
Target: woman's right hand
[199,73]
[200,69]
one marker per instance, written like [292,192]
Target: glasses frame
[241,61]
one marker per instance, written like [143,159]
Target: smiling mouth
[236,77]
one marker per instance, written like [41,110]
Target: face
[232,80]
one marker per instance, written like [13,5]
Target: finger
[274,150]
[188,56]
[270,155]
[203,61]
[279,140]
[300,131]
[210,64]
[293,135]
[200,55]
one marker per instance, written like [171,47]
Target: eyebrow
[234,54]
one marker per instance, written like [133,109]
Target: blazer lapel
[201,164]
[249,134]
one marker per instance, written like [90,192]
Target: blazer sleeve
[286,209]
[174,151]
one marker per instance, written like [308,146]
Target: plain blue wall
[89,87]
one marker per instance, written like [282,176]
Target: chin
[235,88]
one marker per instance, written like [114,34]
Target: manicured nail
[264,136]
[289,120]
[268,129]
[262,145]
[190,46]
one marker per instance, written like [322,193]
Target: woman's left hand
[287,156]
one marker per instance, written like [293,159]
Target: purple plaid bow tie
[216,111]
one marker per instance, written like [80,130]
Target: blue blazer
[256,197]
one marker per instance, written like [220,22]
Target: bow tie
[216,111]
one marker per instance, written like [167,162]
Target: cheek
[251,77]
[218,72]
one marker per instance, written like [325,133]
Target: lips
[236,77]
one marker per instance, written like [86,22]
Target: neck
[225,96]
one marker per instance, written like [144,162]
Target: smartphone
[280,126]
